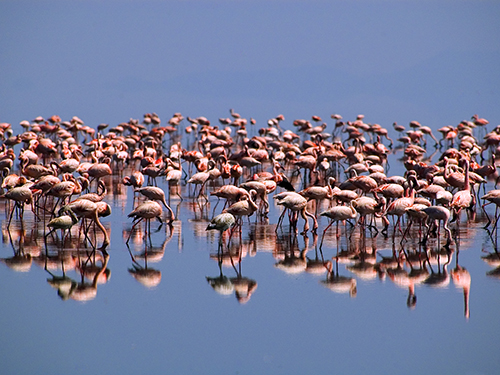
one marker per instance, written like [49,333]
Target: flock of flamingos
[331,180]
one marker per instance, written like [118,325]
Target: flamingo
[229,192]
[89,210]
[444,197]
[156,194]
[479,121]
[201,178]
[437,214]
[463,198]
[319,192]
[339,213]
[222,222]
[145,211]
[415,213]
[307,162]
[43,185]
[365,183]
[455,179]
[65,189]
[236,173]
[99,170]
[98,196]
[63,222]
[34,170]
[12,180]
[234,114]
[174,175]
[245,207]
[67,165]
[400,205]
[20,195]
[390,191]
[249,162]
[295,203]
[431,191]
[428,131]
[136,180]
[368,206]
[30,155]
[493,196]
[344,196]
[153,170]
[261,190]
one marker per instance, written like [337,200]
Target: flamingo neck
[353,210]
[467,183]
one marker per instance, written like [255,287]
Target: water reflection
[232,257]
[338,283]
[22,258]
[316,265]
[93,271]
[69,233]
[140,270]
[290,258]
[348,258]
[147,276]
[462,279]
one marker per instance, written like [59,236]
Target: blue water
[107,61]
[291,324]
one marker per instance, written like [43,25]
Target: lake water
[174,304]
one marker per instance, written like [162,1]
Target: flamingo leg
[315,225]
[132,229]
[280,219]
[486,214]
[324,231]
[11,213]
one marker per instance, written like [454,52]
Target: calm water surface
[156,312]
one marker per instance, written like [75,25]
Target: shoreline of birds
[62,171]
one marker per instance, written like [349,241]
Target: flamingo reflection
[242,286]
[221,283]
[292,262]
[147,276]
[461,278]
[21,261]
[338,283]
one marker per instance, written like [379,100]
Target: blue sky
[109,61]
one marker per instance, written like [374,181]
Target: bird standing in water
[63,222]
[222,222]
[338,213]
[146,211]
[88,210]
[295,203]
[20,195]
[156,194]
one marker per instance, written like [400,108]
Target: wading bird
[63,222]
[146,211]
[222,222]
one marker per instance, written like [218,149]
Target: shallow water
[270,310]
